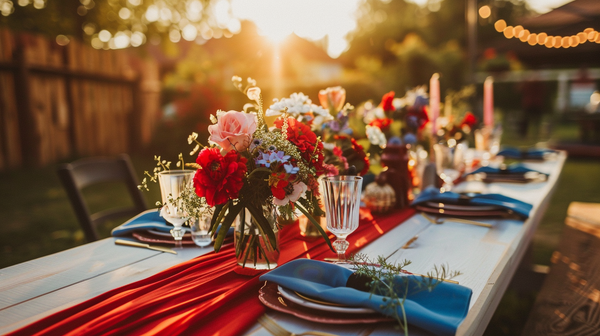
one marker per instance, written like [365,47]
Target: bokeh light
[485,12]
[104,35]
[500,25]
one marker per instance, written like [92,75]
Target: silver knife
[136,244]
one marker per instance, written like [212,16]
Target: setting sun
[310,19]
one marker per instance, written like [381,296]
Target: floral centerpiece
[330,121]
[251,174]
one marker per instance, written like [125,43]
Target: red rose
[387,100]
[383,124]
[221,177]
[469,120]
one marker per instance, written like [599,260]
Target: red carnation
[469,120]
[221,177]
[359,150]
[383,124]
[278,183]
[300,135]
[387,101]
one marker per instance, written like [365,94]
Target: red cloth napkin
[203,296]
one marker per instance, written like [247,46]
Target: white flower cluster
[296,104]
[376,136]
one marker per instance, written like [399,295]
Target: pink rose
[333,98]
[233,130]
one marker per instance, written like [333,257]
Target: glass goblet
[341,196]
[172,184]
[200,227]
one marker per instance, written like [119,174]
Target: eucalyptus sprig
[388,279]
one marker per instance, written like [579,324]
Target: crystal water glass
[200,226]
[172,184]
[341,195]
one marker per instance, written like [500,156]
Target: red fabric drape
[203,296]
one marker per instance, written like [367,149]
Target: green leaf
[226,224]
[263,225]
[217,216]
[317,225]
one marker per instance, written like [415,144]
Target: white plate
[463,207]
[290,295]
[167,234]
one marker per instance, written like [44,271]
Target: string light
[524,35]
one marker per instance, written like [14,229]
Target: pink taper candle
[434,101]
[488,102]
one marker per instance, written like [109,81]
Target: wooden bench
[569,301]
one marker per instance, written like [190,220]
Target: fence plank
[71,100]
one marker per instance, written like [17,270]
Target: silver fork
[277,330]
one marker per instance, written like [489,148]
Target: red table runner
[202,296]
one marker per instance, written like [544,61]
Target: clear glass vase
[252,249]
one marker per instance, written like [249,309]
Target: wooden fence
[61,102]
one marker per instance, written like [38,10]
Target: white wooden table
[487,258]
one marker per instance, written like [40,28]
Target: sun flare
[310,19]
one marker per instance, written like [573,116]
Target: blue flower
[410,138]
[395,141]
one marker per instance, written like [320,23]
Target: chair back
[82,173]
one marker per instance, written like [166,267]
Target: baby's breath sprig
[193,205]
[384,282]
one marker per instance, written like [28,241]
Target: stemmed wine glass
[172,185]
[342,201]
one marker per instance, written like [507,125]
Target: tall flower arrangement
[248,166]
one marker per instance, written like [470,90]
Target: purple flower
[290,169]
[265,159]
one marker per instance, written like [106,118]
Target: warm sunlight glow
[310,19]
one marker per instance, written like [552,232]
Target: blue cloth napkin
[440,311]
[531,153]
[516,168]
[432,194]
[149,220]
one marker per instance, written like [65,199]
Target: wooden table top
[486,257]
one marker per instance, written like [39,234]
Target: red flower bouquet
[256,174]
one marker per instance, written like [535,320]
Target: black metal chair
[79,174]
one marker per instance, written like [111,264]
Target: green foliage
[388,279]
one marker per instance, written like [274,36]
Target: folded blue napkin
[516,168]
[524,154]
[149,220]
[432,194]
[440,311]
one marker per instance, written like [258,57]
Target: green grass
[38,219]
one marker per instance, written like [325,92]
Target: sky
[318,19]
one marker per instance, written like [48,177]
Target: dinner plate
[168,234]
[313,304]
[462,207]
[270,296]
